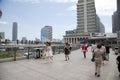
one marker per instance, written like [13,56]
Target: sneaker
[95,73]
[98,75]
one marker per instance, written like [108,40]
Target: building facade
[99,25]
[86,22]
[118,5]
[86,16]
[116,19]
[15,31]
[71,32]
[2,35]
[46,33]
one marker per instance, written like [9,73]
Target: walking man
[98,53]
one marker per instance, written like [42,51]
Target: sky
[32,15]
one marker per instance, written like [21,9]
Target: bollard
[28,53]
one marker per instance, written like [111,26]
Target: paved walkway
[77,68]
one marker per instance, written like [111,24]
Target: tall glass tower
[46,33]
[14,31]
[86,16]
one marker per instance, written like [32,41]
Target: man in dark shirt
[118,62]
[107,51]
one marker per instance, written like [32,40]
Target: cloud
[105,7]
[63,1]
[4,22]
[71,8]
[28,1]
[38,1]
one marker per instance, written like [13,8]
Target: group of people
[48,52]
[100,52]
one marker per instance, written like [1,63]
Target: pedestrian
[84,49]
[98,53]
[118,63]
[107,51]
[104,53]
[67,51]
[48,52]
[93,47]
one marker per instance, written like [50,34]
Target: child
[118,62]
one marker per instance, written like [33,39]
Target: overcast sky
[32,15]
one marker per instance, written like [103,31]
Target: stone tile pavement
[77,68]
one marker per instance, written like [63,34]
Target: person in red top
[84,49]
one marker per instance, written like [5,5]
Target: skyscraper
[118,5]
[46,33]
[2,35]
[99,25]
[115,22]
[116,19]
[86,16]
[14,31]
[87,22]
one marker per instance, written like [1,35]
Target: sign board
[102,35]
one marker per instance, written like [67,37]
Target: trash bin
[116,50]
[38,53]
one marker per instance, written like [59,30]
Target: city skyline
[32,15]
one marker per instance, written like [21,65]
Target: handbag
[93,58]
[44,55]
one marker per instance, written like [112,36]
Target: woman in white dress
[48,51]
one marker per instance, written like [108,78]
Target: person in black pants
[67,51]
[118,62]
[107,51]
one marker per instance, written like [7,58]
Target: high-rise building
[116,19]
[118,5]
[115,22]
[14,31]
[102,28]
[24,40]
[99,25]
[87,22]
[46,33]
[2,35]
[86,16]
